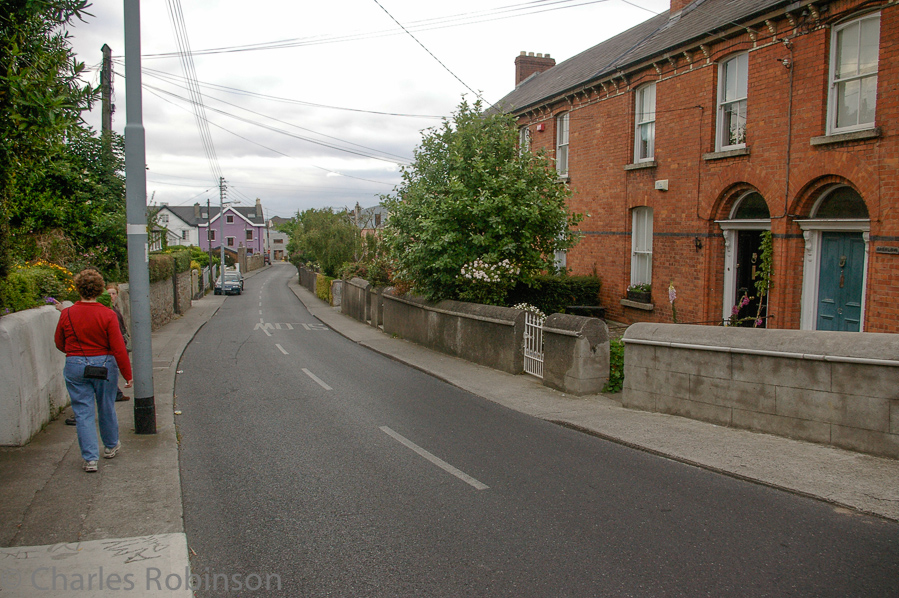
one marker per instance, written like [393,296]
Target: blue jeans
[85,392]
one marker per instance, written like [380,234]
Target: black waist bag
[96,372]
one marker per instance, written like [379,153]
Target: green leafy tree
[324,237]
[41,94]
[472,200]
[80,194]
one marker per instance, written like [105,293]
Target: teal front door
[840,282]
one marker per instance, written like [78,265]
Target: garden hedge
[554,293]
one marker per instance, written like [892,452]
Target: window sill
[563,179]
[844,137]
[641,165]
[637,305]
[743,151]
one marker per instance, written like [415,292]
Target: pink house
[242,227]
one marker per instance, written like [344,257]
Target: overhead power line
[238,91]
[272,149]
[277,130]
[428,51]
[458,20]
[403,159]
[176,16]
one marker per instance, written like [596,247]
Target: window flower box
[640,296]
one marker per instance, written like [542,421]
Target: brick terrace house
[689,135]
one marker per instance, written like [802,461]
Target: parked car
[233,284]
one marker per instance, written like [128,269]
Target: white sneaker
[109,453]
[90,466]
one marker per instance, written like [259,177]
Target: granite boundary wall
[836,388]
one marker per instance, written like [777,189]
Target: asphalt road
[313,464]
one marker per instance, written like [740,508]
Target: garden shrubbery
[553,293]
[162,266]
[323,287]
[34,284]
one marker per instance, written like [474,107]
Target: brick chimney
[196,210]
[678,5]
[526,64]
[258,208]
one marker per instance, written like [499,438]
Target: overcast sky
[342,74]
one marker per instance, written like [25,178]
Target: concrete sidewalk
[67,533]
[846,479]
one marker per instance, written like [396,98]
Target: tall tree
[325,237]
[471,199]
[41,94]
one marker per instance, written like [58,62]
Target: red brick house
[688,136]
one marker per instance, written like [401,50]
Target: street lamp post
[138,239]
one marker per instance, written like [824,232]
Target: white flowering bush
[531,308]
[481,281]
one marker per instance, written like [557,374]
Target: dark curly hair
[89,283]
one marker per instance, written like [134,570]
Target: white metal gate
[533,344]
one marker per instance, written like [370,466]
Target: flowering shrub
[528,307]
[483,282]
[35,284]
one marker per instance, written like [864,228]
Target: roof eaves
[642,60]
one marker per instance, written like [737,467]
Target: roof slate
[188,214]
[649,39]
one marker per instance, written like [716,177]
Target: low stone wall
[336,292]
[162,303]
[33,389]
[182,290]
[255,261]
[575,354]
[836,388]
[355,301]
[376,306]
[485,334]
[307,279]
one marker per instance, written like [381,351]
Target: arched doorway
[747,220]
[835,268]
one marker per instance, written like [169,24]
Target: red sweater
[96,332]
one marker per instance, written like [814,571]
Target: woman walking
[88,333]
[113,290]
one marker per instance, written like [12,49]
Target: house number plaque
[887,250]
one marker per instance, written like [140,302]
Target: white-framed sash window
[562,122]
[733,84]
[645,124]
[641,246]
[854,57]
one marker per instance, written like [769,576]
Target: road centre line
[317,379]
[435,459]
[282,349]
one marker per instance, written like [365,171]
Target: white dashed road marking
[435,459]
[317,379]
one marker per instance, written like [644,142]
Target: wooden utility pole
[106,93]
